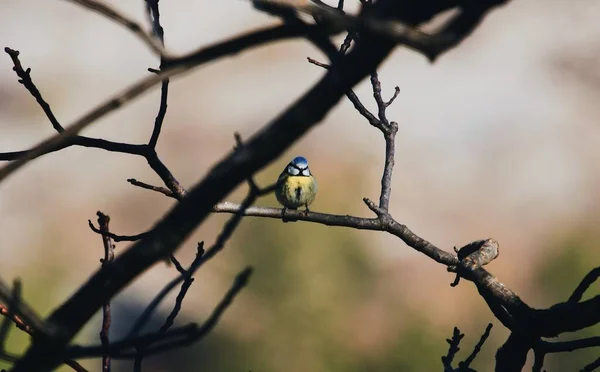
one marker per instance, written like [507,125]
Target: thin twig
[110,13]
[24,316]
[467,363]
[185,216]
[109,256]
[162,190]
[453,348]
[173,338]
[10,317]
[157,29]
[586,282]
[592,366]
[396,92]
[187,278]
[115,237]
[25,79]
[175,67]
[148,311]
[17,306]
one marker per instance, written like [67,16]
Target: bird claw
[306,211]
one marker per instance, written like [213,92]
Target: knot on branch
[384,217]
[473,256]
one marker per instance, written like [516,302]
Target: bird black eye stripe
[297,167]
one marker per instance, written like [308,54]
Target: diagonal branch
[184,275]
[592,366]
[168,340]
[143,185]
[187,278]
[117,238]
[173,68]
[10,316]
[25,79]
[185,216]
[110,13]
[467,363]
[586,282]
[16,305]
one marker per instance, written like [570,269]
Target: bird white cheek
[293,171]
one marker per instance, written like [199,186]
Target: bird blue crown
[300,162]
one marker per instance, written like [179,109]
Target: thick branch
[185,216]
[511,356]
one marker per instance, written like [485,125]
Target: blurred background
[499,138]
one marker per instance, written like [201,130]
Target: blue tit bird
[296,187]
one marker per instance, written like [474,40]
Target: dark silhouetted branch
[10,317]
[115,237]
[174,67]
[592,366]
[149,310]
[187,279]
[26,322]
[110,13]
[453,348]
[168,340]
[587,281]
[25,79]
[24,316]
[109,256]
[162,190]
[167,235]
[467,363]
[154,16]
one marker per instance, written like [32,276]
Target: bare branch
[173,68]
[568,346]
[149,310]
[177,337]
[399,31]
[110,13]
[154,16]
[23,315]
[109,256]
[452,349]
[9,316]
[162,190]
[176,226]
[187,278]
[16,305]
[396,92]
[512,355]
[25,79]
[390,152]
[476,349]
[117,238]
[592,366]
[587,281]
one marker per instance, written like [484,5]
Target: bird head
[298,167]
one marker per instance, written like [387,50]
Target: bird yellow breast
[297,191]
